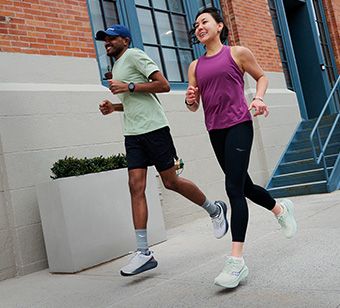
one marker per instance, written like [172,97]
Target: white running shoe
[139,263]
[286,219]
[220,223]
[232,274]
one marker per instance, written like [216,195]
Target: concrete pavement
[301,272]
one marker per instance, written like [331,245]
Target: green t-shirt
[143,112]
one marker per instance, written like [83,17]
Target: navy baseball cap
[114,30]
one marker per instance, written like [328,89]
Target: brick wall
[250,25]
[46,27]
[332,10]
[62,28]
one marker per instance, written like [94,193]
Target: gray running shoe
[139,263]
[220,223]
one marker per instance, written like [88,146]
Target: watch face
[131,86]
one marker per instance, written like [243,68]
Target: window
[285,66]
[159,27]
[164,32]
[204,3]
[103,14]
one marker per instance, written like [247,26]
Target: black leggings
[232,148]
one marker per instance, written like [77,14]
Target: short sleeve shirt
[143,112]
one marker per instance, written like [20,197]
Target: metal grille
[328,66]
[278,34]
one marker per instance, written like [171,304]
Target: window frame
[127,15]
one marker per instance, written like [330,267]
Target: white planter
[87,220]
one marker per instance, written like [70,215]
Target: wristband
[258,98]
[185,101]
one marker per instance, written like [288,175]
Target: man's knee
[136,187]
[171,184]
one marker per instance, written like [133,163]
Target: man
[147,139]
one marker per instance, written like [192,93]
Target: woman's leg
[232,148]
[233,155]
[258,195]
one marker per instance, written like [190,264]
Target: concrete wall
[7,262]
[49,109]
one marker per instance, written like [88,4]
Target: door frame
[289,50]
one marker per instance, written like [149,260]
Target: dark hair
[216,14]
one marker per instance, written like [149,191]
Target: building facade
[53,77]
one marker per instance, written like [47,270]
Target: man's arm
[106,107]
[158,84]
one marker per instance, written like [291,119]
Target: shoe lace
[282,221]
[135,253]
[217,221]
[231,267]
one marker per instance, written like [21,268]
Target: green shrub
[71,166]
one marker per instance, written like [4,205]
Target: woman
[217,79]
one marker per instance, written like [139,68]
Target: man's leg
[143,259]
[182,186]
[217,210]
[137,186]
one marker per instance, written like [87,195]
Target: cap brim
[100,35]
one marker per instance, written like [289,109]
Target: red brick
[63,28]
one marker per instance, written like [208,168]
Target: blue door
[310,58]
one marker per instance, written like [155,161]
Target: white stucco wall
[49,109]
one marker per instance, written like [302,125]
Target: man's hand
[260,108]
[191,95]
[106,107]
[117,87]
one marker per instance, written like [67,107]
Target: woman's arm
[192,96]
[247,63]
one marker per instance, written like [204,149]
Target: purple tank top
[221,85]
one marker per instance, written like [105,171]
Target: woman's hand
[191,96]
[260,107]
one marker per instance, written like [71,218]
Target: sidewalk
[301,272]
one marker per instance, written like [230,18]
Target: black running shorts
[153,148]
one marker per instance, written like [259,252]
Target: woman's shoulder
[193,64]
[240,51]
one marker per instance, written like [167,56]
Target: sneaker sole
[224,209]
[152,263]
[290,208]
[243,275]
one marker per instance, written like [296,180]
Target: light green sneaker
[286,219]
[233,273]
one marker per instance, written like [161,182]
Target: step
[305,143]
[301,177]
[307,152]
[299,189]
[303,134]
[303,165]
[326,120]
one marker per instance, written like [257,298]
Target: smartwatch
[131,87]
